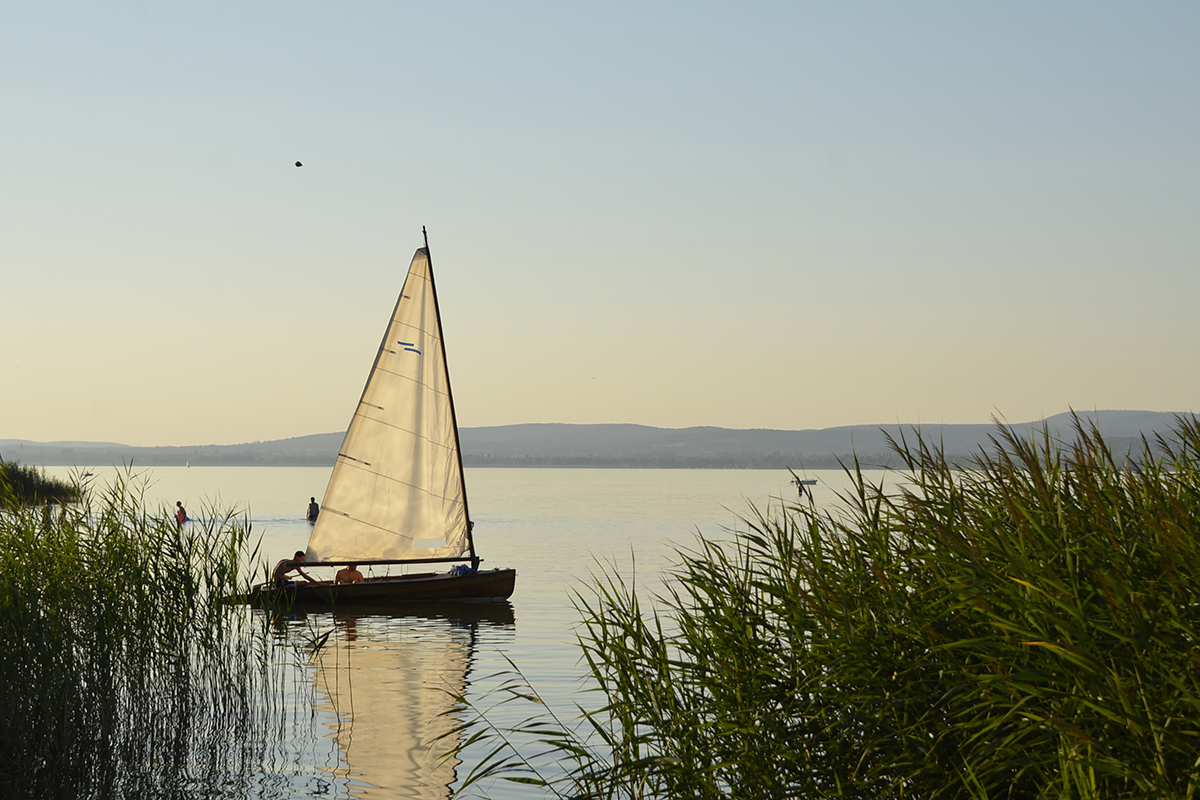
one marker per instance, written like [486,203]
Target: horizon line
[916,425]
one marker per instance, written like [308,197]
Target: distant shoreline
[626,446]
[482,462]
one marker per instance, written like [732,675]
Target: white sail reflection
[383,680]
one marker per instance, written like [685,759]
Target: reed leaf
[124,673]
[1026,627]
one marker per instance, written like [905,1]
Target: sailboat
[397,495]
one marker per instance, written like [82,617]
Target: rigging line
[437,313]
[351,461]
[414,434]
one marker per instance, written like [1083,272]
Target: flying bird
[298,164]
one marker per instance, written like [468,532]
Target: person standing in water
[313,510]
[180,514]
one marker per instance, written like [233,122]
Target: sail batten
[398,479]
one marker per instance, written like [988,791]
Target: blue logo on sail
[409,347]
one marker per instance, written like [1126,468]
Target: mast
[450,395]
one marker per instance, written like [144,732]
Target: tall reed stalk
[1027,628]
[122,673]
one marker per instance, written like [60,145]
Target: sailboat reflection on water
[381,684]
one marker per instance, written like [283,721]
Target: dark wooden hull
[490,586]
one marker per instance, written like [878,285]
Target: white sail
[396,491]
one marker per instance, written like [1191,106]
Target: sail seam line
[407,378]
[331,510]
[355,463]
[398,428]
[425,333]
[344,515]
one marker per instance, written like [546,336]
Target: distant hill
[559,445]
[640,445]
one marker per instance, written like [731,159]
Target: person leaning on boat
[287,566]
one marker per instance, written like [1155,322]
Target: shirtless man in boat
[287,566]
[348,575]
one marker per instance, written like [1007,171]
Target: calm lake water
[359,718]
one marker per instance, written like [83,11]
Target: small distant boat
[397,493]
[800,483]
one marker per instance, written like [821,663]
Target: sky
[752,215]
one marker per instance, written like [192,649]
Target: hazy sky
[747,215]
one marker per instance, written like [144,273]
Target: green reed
[123,672]
[25,485]
[1026,628]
